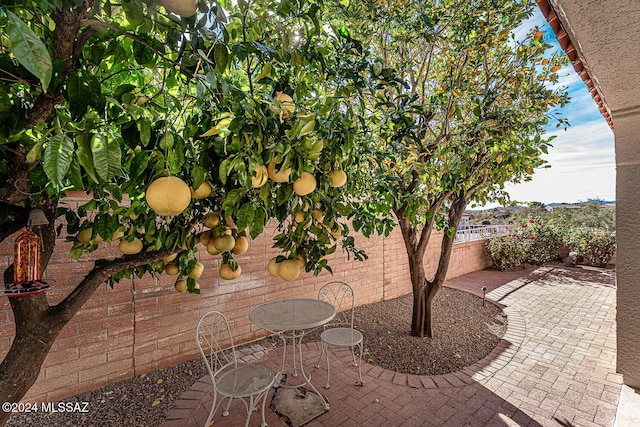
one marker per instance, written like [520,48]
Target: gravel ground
[465,332]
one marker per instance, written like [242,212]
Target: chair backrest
[215,342]
[340,295]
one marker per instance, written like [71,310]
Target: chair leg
[264,403]
[321,354]
[249,411]
[226,410]
[361,350]
[328,368]
[213,408]
[353,356]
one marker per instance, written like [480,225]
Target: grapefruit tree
[457,102]
[168,114]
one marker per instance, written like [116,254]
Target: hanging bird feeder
[27,254]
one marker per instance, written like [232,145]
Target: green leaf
[57,158]
[145,132]
[105,226]
[106,155]
[35,154]
[284,193]
[75,175]
[224,171]
[246,214]
[82,91]
[197,175]
[138,164]
[259,220]
[221,57]
[29,50]
[85,157]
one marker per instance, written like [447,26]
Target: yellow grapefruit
[273,267]
[171,269]
[227,273]
[130,248]
[278,176]
[183,8]
[201,192]
[337,178]
[181,285]
[84,236]
[304,185]
[242,245]
[212,219]
[289,269]
[169,258]
[224,243]
[206,237]
[168,196]
[117,235]
[211,248]
[318,215]
[260,177]
[196,272]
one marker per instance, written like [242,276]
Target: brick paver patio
[554,367]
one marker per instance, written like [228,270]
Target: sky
[582,158]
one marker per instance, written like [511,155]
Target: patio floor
[555,366]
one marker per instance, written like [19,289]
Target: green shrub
[596,246]
[534,242]
[506,252]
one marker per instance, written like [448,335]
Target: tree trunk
[35,334]
[425,290]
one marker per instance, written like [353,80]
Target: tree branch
[67,308]
[425,235]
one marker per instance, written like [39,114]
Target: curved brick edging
[479,371]
[197,400]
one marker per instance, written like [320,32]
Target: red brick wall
[143,324]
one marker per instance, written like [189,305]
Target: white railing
[467,233]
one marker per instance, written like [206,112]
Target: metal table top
[292,314]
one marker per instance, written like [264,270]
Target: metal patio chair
[231,379]
[339,332]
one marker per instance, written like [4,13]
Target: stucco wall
[628,245]
[143,324]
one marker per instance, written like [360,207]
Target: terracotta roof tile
[567,45]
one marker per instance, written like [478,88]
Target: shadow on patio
[554,366]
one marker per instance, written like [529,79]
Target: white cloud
[582,164]
[582,158]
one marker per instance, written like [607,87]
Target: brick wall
[143,324]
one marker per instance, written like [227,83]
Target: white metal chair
[246,382]
[339,332]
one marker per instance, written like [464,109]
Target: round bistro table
[292,319]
